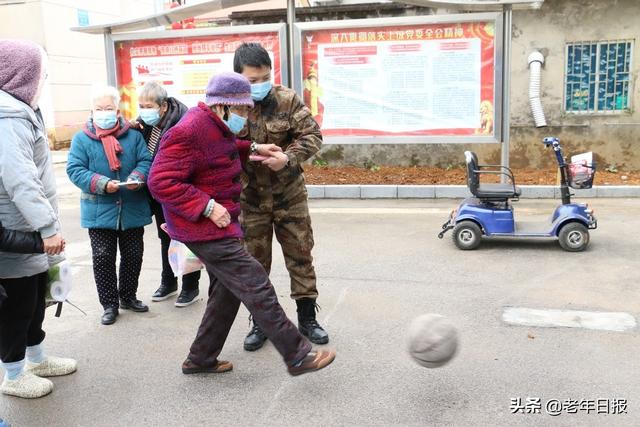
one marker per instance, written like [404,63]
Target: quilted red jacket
[199,159]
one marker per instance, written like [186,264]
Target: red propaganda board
[414,80]
[183,65]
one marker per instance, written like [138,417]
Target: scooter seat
[498,191]
[489,192]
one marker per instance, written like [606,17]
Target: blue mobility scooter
[490,214]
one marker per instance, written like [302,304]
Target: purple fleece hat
[229,89]
[21,66]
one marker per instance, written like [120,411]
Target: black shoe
[133,305]
[164,292]
[187,297]
[255,339]
[307,323]
[109,316]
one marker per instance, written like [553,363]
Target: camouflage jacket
[281,119]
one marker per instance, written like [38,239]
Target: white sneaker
[52,367]
[27,385]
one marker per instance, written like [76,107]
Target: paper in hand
[124,184]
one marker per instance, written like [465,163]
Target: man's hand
[220,216]
[53,245]
[267,149]
[112,187]
[277,161]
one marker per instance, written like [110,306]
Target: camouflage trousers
[292,227]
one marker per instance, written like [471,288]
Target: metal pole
[110,55]
[291,19]
[507,13]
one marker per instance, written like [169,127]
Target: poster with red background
[182,65]
[408,80]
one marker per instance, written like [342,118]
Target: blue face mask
[259,91]
[235,123]
[150,116]
[105,119]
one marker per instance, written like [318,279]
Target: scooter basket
[581,175]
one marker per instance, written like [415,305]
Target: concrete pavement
[380,264]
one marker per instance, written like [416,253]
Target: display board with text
[408,82]
[183,65]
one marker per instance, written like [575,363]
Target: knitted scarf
[110,143]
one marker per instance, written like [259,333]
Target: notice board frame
[111,40]
[499,50]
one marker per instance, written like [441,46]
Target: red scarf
[110,144]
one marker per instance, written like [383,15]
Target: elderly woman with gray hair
[159,113]
[110,164]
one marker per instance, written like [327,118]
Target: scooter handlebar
[552,141]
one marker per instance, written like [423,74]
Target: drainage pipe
[536,59]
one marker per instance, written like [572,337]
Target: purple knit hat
[229,89]
[21,67]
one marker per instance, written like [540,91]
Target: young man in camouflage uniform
[274,197]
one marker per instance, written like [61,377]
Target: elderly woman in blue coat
[109,163]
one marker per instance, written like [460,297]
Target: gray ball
[433,340]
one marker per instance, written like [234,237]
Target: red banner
[183,65]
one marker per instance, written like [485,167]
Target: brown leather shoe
[188,367]
[313,361]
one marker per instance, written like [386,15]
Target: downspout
[536,59]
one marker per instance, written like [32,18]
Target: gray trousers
[237,277]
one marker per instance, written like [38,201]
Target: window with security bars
[598,76]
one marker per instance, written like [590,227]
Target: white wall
[22,21]
[76,60]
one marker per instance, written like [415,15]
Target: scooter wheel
[573,237]
[467,235]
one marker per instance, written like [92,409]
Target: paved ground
[380,265]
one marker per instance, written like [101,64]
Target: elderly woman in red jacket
[196,178]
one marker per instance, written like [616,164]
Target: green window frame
[598,76]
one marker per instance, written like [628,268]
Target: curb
[457,191]
[437,191]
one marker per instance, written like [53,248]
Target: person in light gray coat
[27,203]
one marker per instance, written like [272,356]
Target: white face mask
[43,78]
[105,119]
